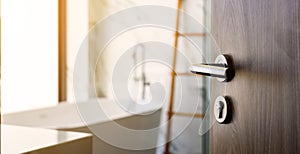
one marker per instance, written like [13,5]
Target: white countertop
[18,139]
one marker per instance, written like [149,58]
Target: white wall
[77,29]
[29,54]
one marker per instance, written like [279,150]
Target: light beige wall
[77,31]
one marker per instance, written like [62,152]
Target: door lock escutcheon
[222,69]
[222,109]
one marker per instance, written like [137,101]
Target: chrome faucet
[143,77]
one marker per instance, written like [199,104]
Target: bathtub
[101,117]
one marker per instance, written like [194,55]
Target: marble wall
[103,65]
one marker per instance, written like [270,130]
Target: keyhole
[220,108]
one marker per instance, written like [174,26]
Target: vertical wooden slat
[0,67]
[62,42]
[168,135]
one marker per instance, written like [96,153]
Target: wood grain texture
[62,50]
[263,38]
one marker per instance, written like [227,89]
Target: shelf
[186,74]
[192,34]
[196,115]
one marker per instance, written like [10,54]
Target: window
[29,54]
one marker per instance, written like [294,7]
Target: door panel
[263,38]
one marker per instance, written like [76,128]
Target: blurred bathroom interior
[58,55]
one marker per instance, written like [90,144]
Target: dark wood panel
[263,38]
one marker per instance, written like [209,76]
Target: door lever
[222,69]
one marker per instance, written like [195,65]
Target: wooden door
[263,38]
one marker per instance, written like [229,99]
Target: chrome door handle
[222,69]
